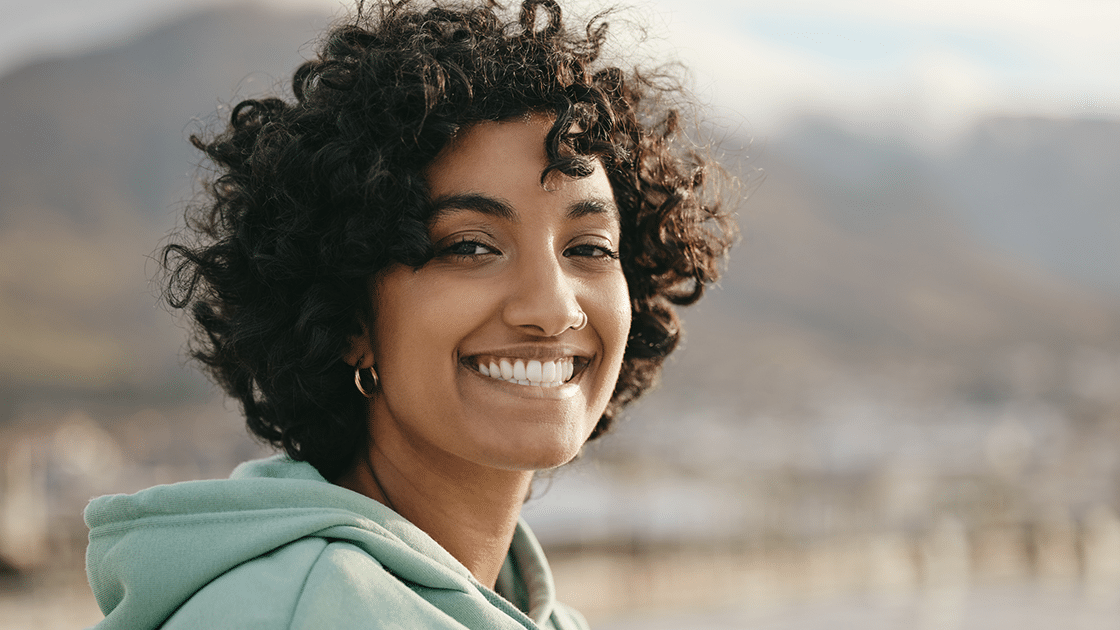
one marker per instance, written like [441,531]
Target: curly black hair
[311,198]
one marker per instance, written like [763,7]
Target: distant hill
[94,169]
[1047,190]
[854,249]
[1041,189]
[864,237]
[118,119]
[855,263]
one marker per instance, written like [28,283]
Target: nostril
[545,303]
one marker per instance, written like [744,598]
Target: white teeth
[533,372]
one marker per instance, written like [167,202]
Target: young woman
[447,264]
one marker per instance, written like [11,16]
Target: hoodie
[277,546]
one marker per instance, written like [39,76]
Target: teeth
[537,373]
[532,371]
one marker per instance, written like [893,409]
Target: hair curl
[312,197]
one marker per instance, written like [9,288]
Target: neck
[471,512]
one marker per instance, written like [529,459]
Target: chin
[543,454]
[555,460]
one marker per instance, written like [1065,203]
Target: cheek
[616,314]
[419,308]
[409,327]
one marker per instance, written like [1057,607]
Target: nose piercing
[582,321]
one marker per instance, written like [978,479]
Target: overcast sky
[920,67]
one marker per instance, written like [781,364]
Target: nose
[543,298]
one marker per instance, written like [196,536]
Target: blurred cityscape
[907,387]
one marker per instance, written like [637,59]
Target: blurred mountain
[855,249]
[910,270]
[95,167]
[1047,190]
[857,270]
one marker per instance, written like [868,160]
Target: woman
[448,264]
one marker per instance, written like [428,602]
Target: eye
[590,251]
[468,248]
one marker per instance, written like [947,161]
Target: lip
[567,390]
[530,352]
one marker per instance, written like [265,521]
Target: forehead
[504,161]
[488,150]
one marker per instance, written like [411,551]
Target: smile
[533,372]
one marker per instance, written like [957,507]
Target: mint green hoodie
[277,546]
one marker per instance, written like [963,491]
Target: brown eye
[590,251]
[468,249]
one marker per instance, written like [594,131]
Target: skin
[519,268]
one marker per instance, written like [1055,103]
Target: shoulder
[309,583]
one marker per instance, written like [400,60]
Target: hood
[151,551]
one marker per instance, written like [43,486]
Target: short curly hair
[310,198]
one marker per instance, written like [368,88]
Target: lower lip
[567,390]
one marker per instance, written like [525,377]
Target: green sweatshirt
[277,546]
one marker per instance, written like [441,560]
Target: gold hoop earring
[358,381]
[582,321]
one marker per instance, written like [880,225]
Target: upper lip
[539,352]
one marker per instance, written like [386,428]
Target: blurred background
[900,408]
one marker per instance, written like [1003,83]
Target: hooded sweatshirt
[277,546]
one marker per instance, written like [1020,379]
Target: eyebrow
[587,207]
[475,202]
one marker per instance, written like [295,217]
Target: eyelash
[456,250]
[603,251]
[450,250]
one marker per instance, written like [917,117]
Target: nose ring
[582,321]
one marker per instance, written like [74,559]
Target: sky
[922,68]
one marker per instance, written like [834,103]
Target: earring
[358,381]
[582,321]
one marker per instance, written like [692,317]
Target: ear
[360,353]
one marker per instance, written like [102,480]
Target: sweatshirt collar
[525,579]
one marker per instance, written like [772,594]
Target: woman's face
[526,280]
